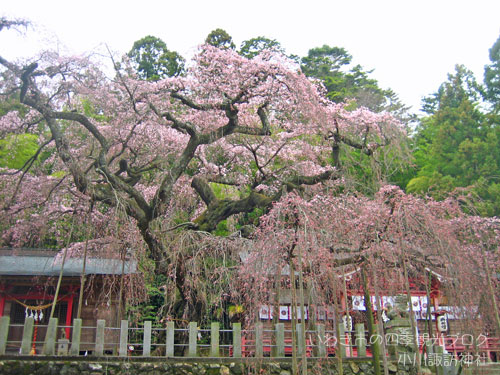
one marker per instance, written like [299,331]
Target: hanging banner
[415,303]
[358,303]
[423,303]
[285,313]
[265,312]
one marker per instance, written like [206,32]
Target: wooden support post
[214,339]
[360,339]
[4,333]
[169,351]
[49,346]
[342,344]
[280,340]
[438,349]
[122,351]
[259,347]
[193,339]
[29,324]
[301,345]
[99,337]
[146,347]
[428,348]
[320,348]
[76,337]
[237,340]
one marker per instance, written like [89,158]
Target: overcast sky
[411,45]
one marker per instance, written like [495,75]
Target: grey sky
[412,45]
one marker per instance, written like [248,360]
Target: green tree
[220,38]
[492,77]
[344,82]
[153,60]
[252,47]
[333,66]
[457,144]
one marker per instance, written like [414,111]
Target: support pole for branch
[82,277]
[276,308]
[59,280]
[338,353]
[302,314]
[491,289]
[428,320]
[371,325]
[412,315]
[380,323]
[120,296]
[295,368]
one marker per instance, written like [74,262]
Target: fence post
[320,348]
[122,351]
[438,349]
[193,339]
[99,337]
[27,336]
[214,339]
[169,352]
[280,340]
[76,337]
[146,348]
[429,350]
[237,340]
[259,349]
[50,337]
[361,339]
[4,333]
[301,345]
[342,343]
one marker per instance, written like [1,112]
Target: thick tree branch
[183,127]
[204,191]
[193,105]
[262,112]
[311,180]
[83,120]
[219,210]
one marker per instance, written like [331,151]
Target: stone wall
[77,366]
